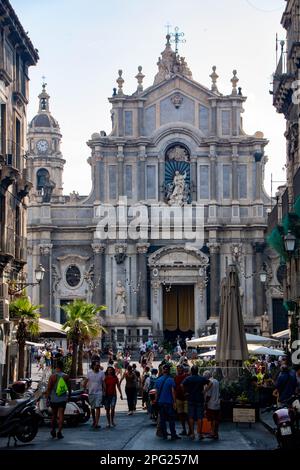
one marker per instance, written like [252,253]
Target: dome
[43,120]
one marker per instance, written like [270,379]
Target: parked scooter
[81,398]
[18,419]
[73,414]
[286,419]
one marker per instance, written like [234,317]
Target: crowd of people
[174,390]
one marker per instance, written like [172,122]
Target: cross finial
[177,35]
[168,26]
[44,83]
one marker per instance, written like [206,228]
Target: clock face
[42,146]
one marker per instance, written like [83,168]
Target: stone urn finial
[214,77]
[120,82]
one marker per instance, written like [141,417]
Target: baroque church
[174,145]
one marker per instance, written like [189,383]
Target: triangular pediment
[184,85]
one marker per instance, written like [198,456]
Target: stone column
[99,273]
[46,284]
[142,300]
[259,288]
[194,179]
[120,171]
[235,195]
[258,175]
[141,173]
[214,124]
[161,177]
[214,249]
[213,178]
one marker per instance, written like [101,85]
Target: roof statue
[170,63]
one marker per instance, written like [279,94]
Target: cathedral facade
[177,196]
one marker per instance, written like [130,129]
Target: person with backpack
[150,387]
[286,384]
[58,392]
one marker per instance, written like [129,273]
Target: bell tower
[45,162]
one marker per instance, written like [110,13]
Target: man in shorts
[213,404]
[193,387]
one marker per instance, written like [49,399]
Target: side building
[286,99]
[174,146]
[17,54]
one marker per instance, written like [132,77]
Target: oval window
[73,276]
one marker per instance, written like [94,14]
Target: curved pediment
[177,256]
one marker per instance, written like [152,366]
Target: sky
[83,44]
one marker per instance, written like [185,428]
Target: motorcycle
[81,398]
[286,419]
[18,419]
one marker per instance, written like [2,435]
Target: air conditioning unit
[4,310]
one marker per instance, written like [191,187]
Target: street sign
[244,415]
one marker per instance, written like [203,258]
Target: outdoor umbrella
[231,344]
[211,341]
[253,349]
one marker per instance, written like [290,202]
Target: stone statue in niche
[177,191]
[120,297]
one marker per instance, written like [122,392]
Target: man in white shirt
[96,387]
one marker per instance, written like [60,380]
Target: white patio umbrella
[254,349]
[211,340]
[50,327]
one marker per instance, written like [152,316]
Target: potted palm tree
[27,316]
[82,325]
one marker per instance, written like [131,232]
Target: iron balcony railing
[12,153]
[12,244]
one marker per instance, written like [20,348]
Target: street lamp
[263,276]
[15,287]
[290,242]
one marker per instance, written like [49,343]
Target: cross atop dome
[44,98]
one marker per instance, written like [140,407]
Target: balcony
[11,161]
[7,246]
[296,184]
[293,50]
[282,85]
[20,248]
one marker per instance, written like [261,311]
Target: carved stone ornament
[45,249]
[120,255]
[178,153]
[177,100]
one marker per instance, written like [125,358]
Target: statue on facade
[264,322]
[74,197]
[48,187]
[177,197]
[120,297]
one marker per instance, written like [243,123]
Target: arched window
[42,177]
[177,175]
